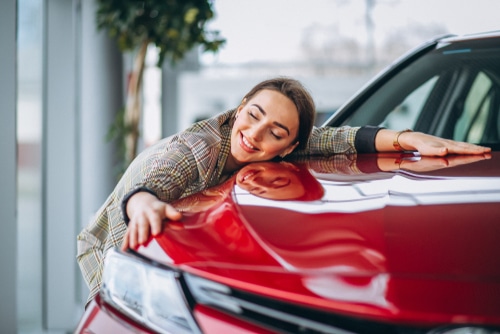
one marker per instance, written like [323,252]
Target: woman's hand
[426,145]
[146,213]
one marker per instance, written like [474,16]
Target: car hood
[417,242]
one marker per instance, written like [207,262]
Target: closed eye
[252,115]
[276,136]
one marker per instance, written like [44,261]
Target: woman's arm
[90,260]
[159,178]
[426,145]
[331,140]
[91,246]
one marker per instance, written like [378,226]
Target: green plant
[173,26]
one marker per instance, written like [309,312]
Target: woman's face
[266,126]
[271,180]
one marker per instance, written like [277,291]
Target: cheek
[238,125]
[236,128]
[273,148]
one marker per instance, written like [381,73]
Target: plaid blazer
[173,168]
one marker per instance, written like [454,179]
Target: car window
[406,113]
[404,99]
[472,124]
[452,92]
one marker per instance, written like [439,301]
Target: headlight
[150,295]
[464,330]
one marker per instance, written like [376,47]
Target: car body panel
[409,254]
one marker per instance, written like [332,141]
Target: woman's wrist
[385,141]
[396,143]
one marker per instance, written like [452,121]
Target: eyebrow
[263,112]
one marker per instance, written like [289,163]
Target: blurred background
[63,81]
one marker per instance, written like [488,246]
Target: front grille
[283,317]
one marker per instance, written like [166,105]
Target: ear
[289,149]
[242,104]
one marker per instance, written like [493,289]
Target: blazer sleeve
[162,170]
[330,140]
[91,245]
[340,140]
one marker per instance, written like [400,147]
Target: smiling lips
[243,178]
[245,144]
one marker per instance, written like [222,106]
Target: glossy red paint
[405,247]
[101,318]
[212,321]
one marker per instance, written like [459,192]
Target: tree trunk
[133,105]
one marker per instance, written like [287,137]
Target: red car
[382,243]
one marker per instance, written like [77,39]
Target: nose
[256,132]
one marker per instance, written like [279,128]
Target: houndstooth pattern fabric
[174,168]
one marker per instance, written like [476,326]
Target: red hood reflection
[415,245]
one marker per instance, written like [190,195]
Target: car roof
[467,37]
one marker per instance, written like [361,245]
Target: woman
[274,119]
[279,181]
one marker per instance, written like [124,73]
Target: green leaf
[190,15]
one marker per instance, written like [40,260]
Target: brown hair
[299,95]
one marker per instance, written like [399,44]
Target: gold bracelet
[395,142]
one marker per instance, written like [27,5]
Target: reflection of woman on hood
[205,199]
[279,181]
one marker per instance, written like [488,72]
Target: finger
[452,147]
[125,242]
[172,213]
[156,223]
[467,148]
[132,237]
[143,228]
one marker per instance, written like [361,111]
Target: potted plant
[173,26]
